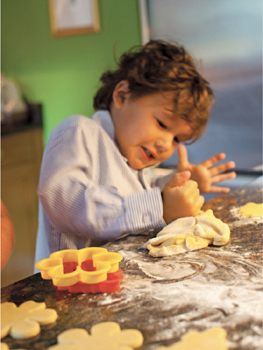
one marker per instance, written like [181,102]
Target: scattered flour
[170,284]
[243,220]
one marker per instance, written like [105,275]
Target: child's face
[147,129]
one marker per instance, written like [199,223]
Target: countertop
[166,297]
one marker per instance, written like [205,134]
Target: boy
[95,181]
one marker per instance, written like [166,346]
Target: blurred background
[47,76]
[225,38]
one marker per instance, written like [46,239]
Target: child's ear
[120,93]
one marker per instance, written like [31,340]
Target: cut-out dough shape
[4,346]
[188,234]
[24,321]
[252,210]
[104,336]
[210,339]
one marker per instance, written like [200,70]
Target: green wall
[63,73]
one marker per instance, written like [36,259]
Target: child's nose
[164,144]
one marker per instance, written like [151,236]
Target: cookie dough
[188,234]
[104,336]
[213,338]
[252,209]
[24,321]
[4,346]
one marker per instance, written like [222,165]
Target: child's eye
[176,140]
[161,124]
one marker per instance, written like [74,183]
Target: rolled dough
[188,234]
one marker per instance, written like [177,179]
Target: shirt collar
[105,120]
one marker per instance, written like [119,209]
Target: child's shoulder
[98,127]
[77,120]
[76,123]
[100,122]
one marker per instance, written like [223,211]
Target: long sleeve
[84,194]
[160,180]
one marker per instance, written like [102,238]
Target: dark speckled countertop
[166,297]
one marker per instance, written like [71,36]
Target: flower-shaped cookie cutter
[87,270]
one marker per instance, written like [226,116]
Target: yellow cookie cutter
[104,262]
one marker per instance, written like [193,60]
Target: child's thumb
[179,179]
[182,157]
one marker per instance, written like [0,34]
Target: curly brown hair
[156,67]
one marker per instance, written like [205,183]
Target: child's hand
[205,174]
[181,197]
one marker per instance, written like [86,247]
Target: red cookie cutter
[88,270]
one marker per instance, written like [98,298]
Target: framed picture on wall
[73,17]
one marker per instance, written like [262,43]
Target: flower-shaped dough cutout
[213,338]
[4,346]
[104,336]
[24,321]
[252,210]
[188,234]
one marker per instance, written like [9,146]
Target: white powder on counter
[188,289]
[241,220]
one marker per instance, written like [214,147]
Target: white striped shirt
[88,194]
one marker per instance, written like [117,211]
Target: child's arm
[181,197]
[74,200]
[206,174]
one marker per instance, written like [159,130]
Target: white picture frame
[73,17]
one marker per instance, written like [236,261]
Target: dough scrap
[252,210]
[24,321]
[189,234]
[104,336]
[213,338]
[4,346]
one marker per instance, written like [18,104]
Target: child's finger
[217,189]
[191,188]
[223,177]
[196,194]
[182,156]
[179,179]
[200,201]
[222,168]
[211,161]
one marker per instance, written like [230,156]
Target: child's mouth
[147,154]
